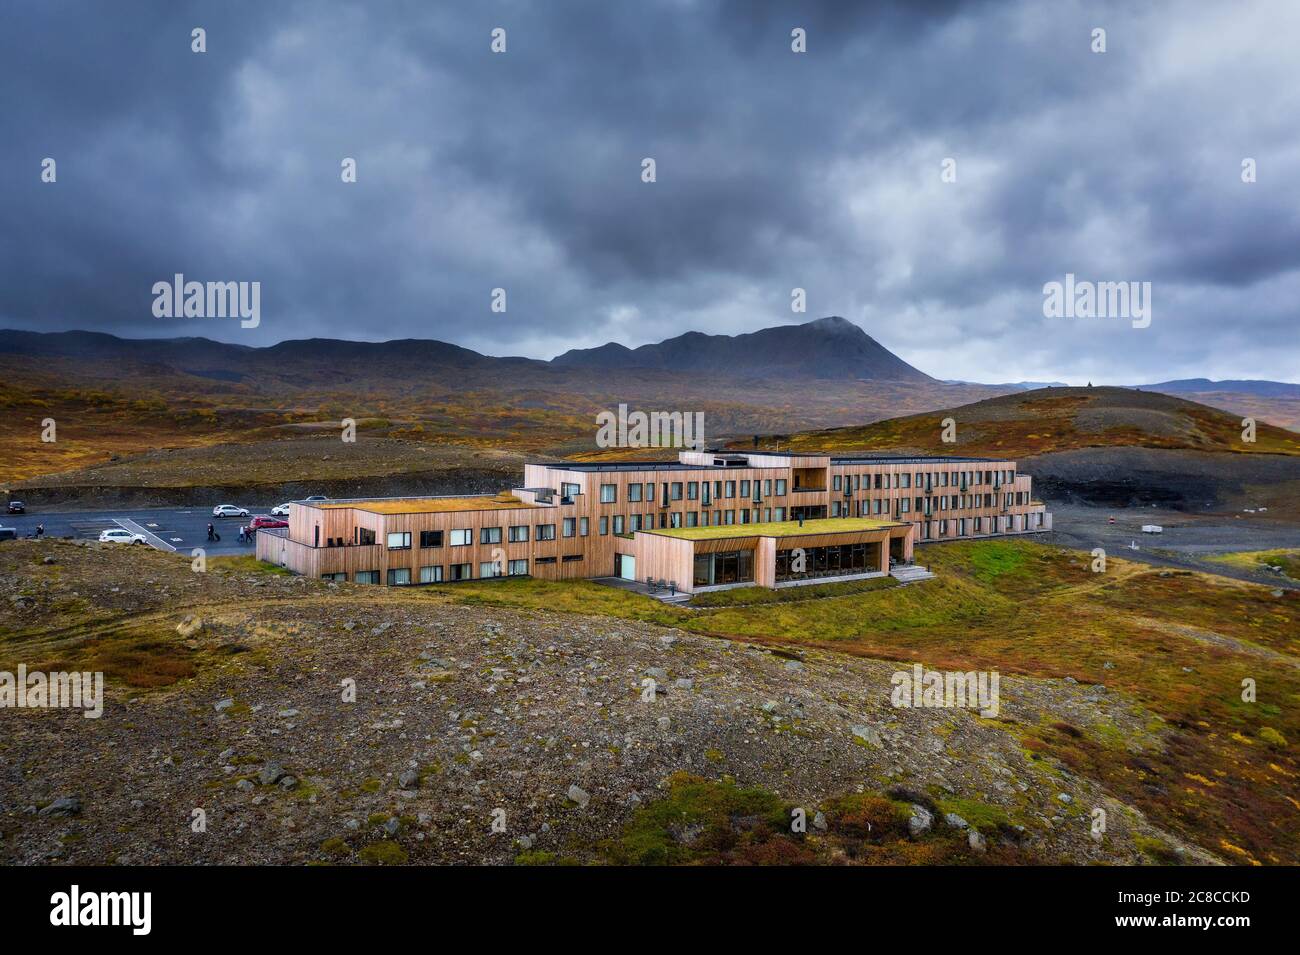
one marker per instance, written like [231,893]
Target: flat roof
[425,505]
[905,459]
[630,466]
[821,525]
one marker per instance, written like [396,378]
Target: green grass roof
[825,525]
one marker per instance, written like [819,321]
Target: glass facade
[731,567]
[834,561]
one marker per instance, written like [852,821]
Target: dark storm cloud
[775,170]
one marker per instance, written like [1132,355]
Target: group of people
[246,534]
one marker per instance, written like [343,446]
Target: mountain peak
[827,348]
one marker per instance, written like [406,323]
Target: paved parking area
[170,529]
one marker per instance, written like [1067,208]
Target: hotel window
[767,514]
[729,517]
[618,523]
[836,483]
[904,505]
[341,578]
[518,533]
[461,537]
[649,522]
[731,489]
[604,526]
[676,491]
[367,577]
[634,492]
[462,571]
[518,568]
[692,518]
[569,527]
[401,540]
[778,513]
[430,538]
[692,490]
[650,491]
[570,490]
[979,520]
[431,574]
[584,526]
[767,488]
[490,568]
[675,519]
[780,487]
[545,532]
[905,480]
[744,489]
[636,522]
[544,560]
[717,489]
[704,518]
[399,576]
[365,536]
[835,508]
[489,535]
[571,558]
[877,482]
[608,493]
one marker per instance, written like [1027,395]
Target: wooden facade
[583,520]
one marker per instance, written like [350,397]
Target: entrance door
[627,567]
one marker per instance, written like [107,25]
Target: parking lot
[168,529]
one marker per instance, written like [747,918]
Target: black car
[17,507]
[8,534]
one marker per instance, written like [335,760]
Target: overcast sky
[523,170]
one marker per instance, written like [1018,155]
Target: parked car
[263,520]
[116,535]
[17,507]
[229,510]
[8,533]
[316,497]
[281,510]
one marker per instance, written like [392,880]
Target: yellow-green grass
[749,596]
[825,525]
[1287,558]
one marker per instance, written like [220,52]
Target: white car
[229,510]
[280,510]
[118,536]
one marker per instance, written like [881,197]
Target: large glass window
[489,535]
[367,577]
[398,576]
[430,538]
[780,487]
[518,533]
[546,532]
[431,574]
[400,540]
[490,568]
[730,567]
[608,493]
[461,537]
[462,571]
[634,492]
[570,525]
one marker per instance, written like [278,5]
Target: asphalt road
[168,528]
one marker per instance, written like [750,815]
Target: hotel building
[709,520]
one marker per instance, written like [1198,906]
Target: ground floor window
[367,577]
[518,568]
[431,574]
[731,567]
[490,568]
[399,576]
[339,577]
[571,558]
[834,561]
[462,571]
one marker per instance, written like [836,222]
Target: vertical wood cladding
[349,537]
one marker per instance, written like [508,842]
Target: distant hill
[826,348]
[1260,388]
[1054,419]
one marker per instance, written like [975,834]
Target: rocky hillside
[496,735]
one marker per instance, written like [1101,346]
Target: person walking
[212,532]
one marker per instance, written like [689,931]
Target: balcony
[807,490]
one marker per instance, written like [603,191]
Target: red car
[265,520]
